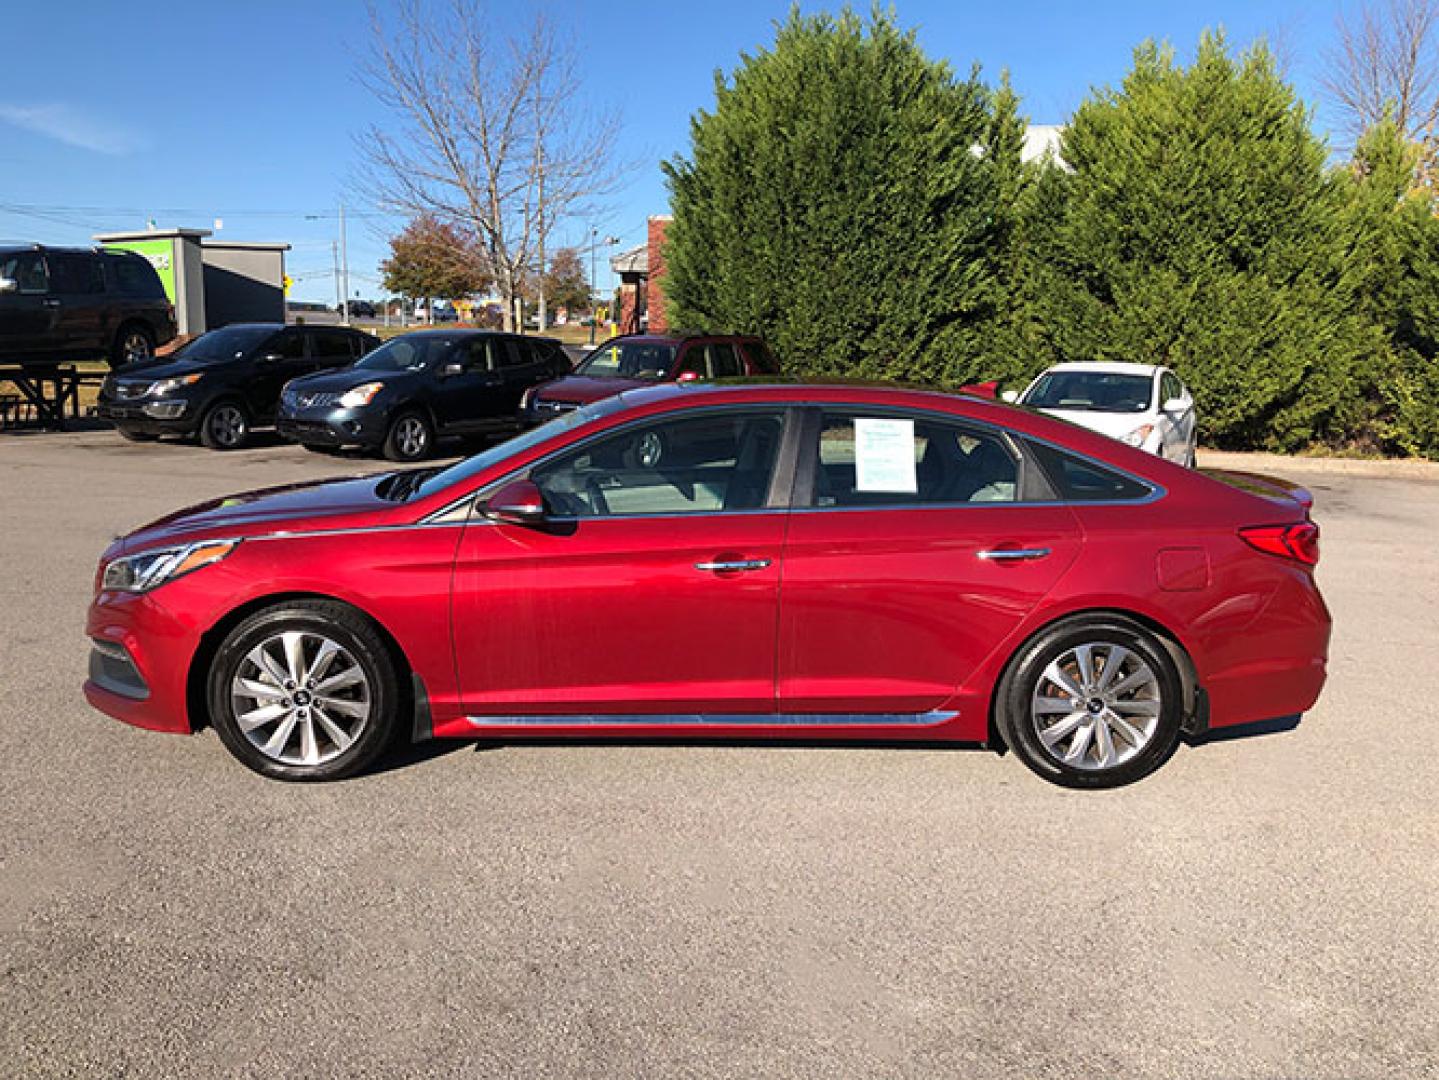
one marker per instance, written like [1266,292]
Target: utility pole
[594,309]
[344,270]
[339,296]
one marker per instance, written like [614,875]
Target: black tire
[1015,702]
[133,343]
[225,425]
[341,625]
[136,436]
[411,437]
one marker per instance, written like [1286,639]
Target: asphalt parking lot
[1262,907]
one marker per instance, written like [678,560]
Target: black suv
[224,383]
[418,387]
[62,304]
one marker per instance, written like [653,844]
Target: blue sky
[111,114]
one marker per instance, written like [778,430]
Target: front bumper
[140,661]
[334,427]
[167,416]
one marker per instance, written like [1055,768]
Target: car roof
[11,249]
[678,337]
[1108,367]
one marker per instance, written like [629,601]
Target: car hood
[154,370]
[1114,424]
[343,379]
[582,389]
[320,506]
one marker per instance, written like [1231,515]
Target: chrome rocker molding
[709,720]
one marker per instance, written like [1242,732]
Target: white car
[1139,404]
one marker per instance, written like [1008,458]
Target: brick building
[641,270]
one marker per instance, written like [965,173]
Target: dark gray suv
[63,304]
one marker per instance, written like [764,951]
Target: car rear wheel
[1092,702]
[226,426]
[133,344]
[410,438]
[305,690]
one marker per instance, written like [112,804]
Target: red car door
[914,560]
[653,589]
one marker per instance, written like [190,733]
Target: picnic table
[45,394]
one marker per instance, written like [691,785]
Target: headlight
[1138,435]
[150,569]
[360,395]
[167,386]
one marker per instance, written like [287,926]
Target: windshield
[1091,391]
[231,343]
[413,352]
[473,466]
[629,360]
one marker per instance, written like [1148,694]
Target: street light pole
[594,242]
[344,270]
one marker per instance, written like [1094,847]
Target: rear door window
[884,459]
[76,275]
[332,348]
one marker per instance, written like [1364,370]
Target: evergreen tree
[848,198]
[1392,270]
[1201,230]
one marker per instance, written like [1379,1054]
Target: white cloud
[70,126]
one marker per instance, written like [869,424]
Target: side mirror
[1175,405]
[9,284]
[520,502]
[1010,396]
[688,376]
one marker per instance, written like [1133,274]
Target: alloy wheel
[301,698]
[226,425]
[411,436]
[135,348]
[1096,706]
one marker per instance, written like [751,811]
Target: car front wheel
[225,426]
[1092,702]
[305,690]
[410,438]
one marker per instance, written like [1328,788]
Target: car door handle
[736,564]
[50,301]
[1013,554]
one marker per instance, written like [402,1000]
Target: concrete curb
[1391,469]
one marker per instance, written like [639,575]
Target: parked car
[65,304]
[361,309]
[419,387]
[952,569]
[634,360]
[1138,404]
[225,383]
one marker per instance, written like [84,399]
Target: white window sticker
[884,456]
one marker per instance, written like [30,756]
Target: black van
[224,383]
[63,304]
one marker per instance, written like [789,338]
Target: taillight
[1299,542]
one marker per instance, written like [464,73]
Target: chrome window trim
[1008,436]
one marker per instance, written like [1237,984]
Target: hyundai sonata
[741,562]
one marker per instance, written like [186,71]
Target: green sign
[158,253]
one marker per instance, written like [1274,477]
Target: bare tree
[486,133]
[1386,64]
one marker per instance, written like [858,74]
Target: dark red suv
[635,360]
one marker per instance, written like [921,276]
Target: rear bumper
[1282,671]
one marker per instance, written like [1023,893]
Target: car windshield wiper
[399,486]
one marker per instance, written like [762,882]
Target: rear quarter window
[1077,479]
[135,277]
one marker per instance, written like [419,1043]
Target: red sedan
[813,562]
